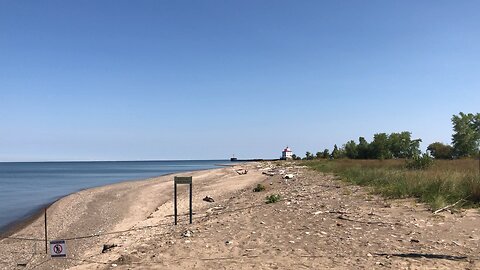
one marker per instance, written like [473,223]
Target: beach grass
[444,183]
[273,198]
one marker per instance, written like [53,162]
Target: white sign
[58,248]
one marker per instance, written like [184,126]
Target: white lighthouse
[287,153]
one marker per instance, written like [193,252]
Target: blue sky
[130,80]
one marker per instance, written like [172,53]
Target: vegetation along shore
[394,166]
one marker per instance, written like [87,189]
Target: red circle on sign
[57,249]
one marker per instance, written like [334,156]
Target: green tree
[335,153]
[399,144]
[363,148]
[325,154]
[308,156]
[318,155]
[414,148]
[351,149]
[380,146]
[440,151]
[466,136]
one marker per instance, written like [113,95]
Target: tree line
[465,143]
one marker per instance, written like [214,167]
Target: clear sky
[130,80]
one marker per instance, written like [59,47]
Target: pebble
[187,234]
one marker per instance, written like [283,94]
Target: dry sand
[320,223]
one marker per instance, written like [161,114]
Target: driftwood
[423,255]
[369,222]
[107,247]
[242,171]
[208,199]
[448,206]
[215,209]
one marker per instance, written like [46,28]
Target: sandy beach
[87,219]
[319,223]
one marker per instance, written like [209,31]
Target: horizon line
[133,160]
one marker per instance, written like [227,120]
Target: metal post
[175,201]
[46,240]
[190,203]
[182,180]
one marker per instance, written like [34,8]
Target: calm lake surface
[25,187]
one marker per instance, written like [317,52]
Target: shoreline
[319,223]
[89,217]
[19,224]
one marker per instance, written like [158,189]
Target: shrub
[259,188]
[273,198]
[420,162]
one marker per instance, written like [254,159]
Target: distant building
[286,154]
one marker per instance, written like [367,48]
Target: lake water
[25,187]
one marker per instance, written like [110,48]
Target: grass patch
[273,198]
[259,188]
[438,184]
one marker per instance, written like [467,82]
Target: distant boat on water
[233,158]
